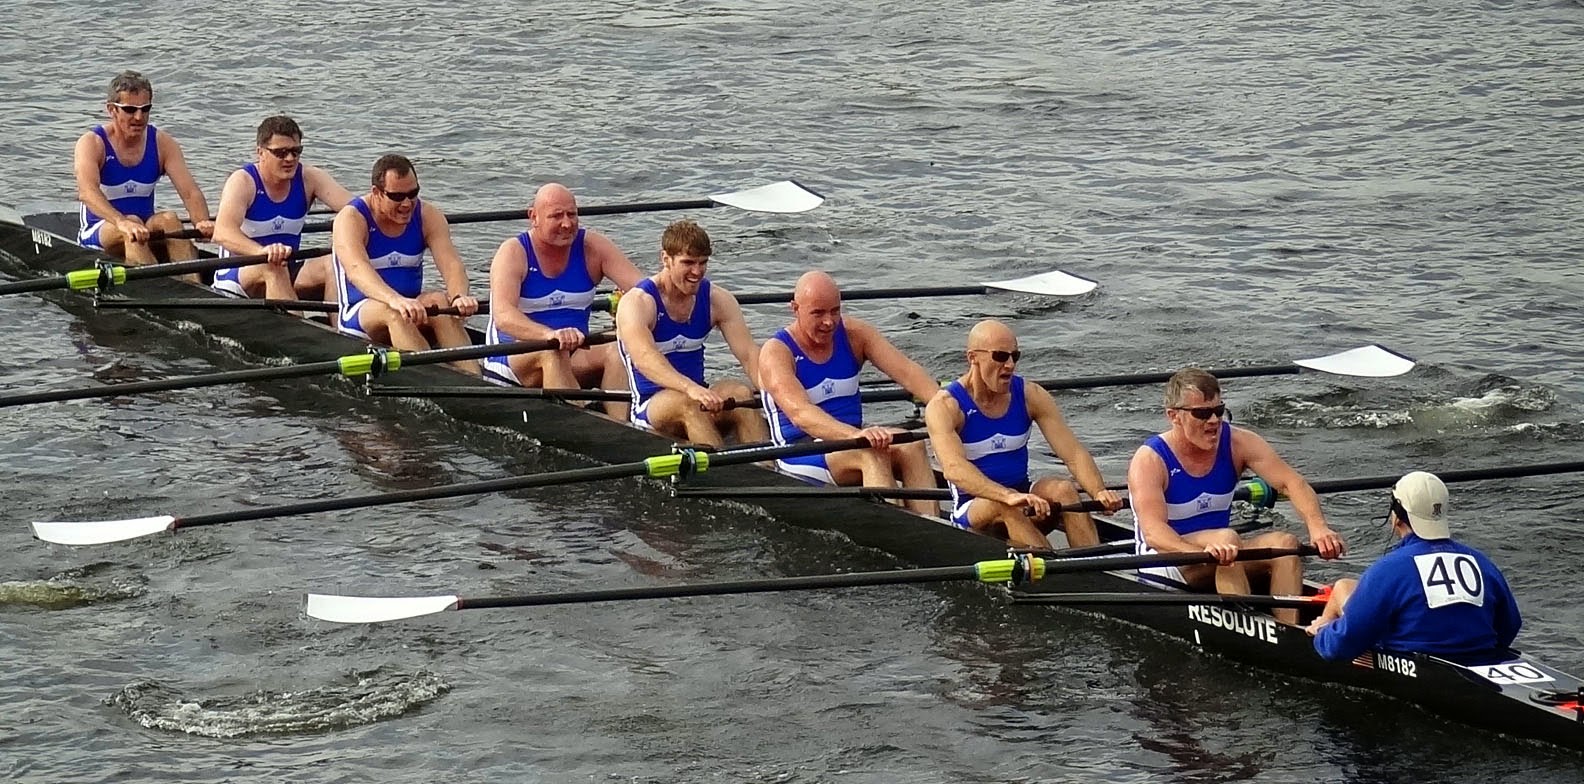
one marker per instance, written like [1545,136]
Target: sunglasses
[129,108]
[284,152]
[1203,413]
[1002,356]
[400,196]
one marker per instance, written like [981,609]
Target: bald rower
[980,426]
[541,286]
[809,373]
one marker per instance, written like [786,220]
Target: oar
[783,197]
[360,609]
[108,274]
[682,463]
[1459,475]
[220,303]
[1050,284]
[1372,361]
[833,491]
[491,391]
[1086,599]
[369,363]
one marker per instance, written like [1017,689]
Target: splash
[72,588]
[367,698]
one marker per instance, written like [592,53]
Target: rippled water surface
[1249,182]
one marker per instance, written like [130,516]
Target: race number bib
[1449,578]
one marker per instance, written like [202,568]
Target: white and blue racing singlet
[558,303]
[682,342]
[1196,503]
[130,189]
[832,385]
[997,446]
[398,260]
[268,223]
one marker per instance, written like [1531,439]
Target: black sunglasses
[400,196]
[1002,356]
[283,152]
[1203,413]
[129,108]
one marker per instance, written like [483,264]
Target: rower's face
[1202,433]
[398,197]
[818,316]
[994,360]
[685,270]
[280,156]
[130,111]
[555,221]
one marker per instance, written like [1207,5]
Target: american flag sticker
[1365,660]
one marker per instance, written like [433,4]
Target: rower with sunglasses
[117,166]
[809,372]
[1180,485]
[378,242]
[1429,594]
[262,210]
[980,426]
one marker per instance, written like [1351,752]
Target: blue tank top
[831,385]
[559,302]
[1198,503]
[682,342]
[997,446]
[130,189]
[398,260]
[268,222]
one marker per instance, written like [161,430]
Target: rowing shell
[1521,697]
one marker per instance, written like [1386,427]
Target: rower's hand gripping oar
[682,463]
[785,197]
[375,362]
[1019,570]
[107,273]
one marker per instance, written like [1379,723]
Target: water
[1250,184]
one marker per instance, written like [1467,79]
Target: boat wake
[73,588]
[1496,401]
[367,697]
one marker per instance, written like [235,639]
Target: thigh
[846,467]
[589,364]
[313,278]
[371,318]
[667,412]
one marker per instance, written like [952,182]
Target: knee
[1060,491]
[164,221]
[731,388]
[1284,540]
[1222,536]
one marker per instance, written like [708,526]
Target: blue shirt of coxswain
[681,342]
[130,189]
[831,385]
[997,446]
[398,259]
[1427,596]
[1196,503]
[270,222]
[559,302]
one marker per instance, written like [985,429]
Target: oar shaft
[1086,599]
[1092,382]
[620,471]
[766,298]
[772,585]
[339,365]
[518,393]
[219,303]
[1463,475]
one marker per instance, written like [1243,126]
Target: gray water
[1249,182]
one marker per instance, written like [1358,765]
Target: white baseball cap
[1424,497]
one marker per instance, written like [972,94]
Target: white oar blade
[1050,284]
[784,196]
[374,609]
[102,531]
[1371,361]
